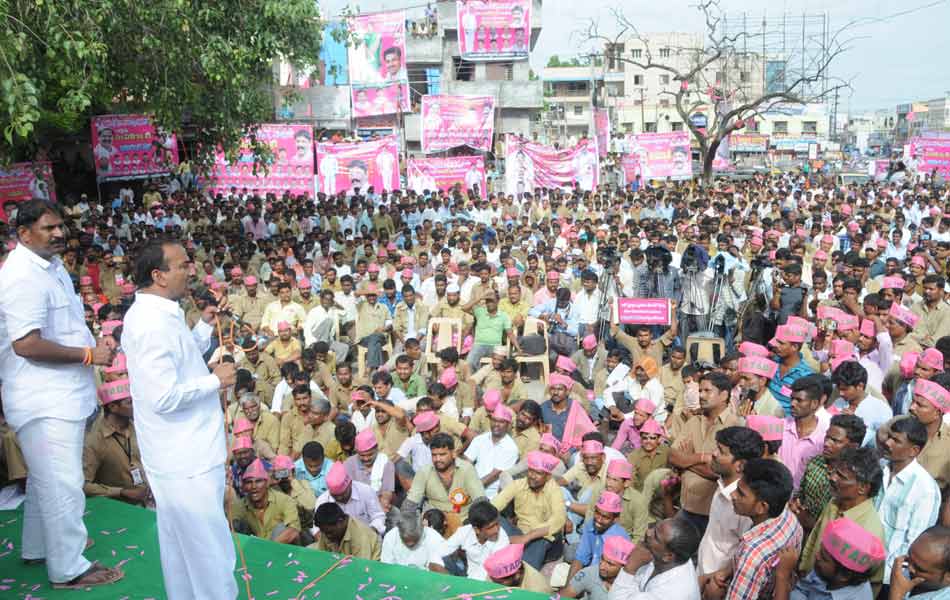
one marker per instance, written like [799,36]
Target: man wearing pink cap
[372,467]
[931,402]
[597,580]
[263,511]
[283,474]
[508,567]
[539,509]
[900,326]
[358,500]
[755,373]
[494,451]
[590,358]
[111,462]
[788,343]
[605,523]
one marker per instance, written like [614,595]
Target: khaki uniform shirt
[281,510]
[359,540]
[673,385]
[420,319]
[634,516]
[369,318]
[294,433]
[535,510]
[863,514]
[392,438]
[935,457]
[934,323]
[442,310]
[487,377]
[428,485]
[108,458]
[266,429]
[697,492]
[281,351]
[266,375]
[250,310]
[654,350]
[528,440]
[644,464]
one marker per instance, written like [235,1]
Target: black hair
[382,377]
[771,481]
[719,380]
[328,513]
[810,385]
[345,433]
[436,520]
[289,369]
[853,425]
[863,462]
[31,211]
[442,440]
[449,355]
[684,539]
[312,451]
[482,514]
[743,443]
[915,431]
[850,372]
[532,408]
[508,364]
[151,257]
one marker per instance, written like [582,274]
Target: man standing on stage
[48,393]
[180,425]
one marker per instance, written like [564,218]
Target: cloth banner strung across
[291,168]
[496,30]
[452,121]
[130,146]
[658,156]
[377,64]
[20,182]
[445,173]
[602,130]
[341,167]
[529,165]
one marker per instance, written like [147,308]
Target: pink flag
[578,423]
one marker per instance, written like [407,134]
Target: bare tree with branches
[698,88]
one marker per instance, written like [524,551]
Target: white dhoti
[52,513]
[194,537]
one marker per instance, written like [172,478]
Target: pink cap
[853,546]
[836,361]
[645,405]
[407,260]
[109,326]
[427,420]
[505,562]
[236,272]
[558,379]
[827,239]
[893,283]
[371,289]
[821,255]
[542,461]
[448,378]
[391,247]
[382,254]
[303,284]
[242,442]
[908,364]
[242,425]
[881,243]
[256,470]
[786,333]
[651,427]
[853,226]
[846,209]
[800,232]
[554,275]
[128,288]
[848,322]
[868,328]
[114,391]
[842,348]
[119,364]
[250,281]
[85,280]
[337,479]
[502,413]
[283,325]
[407,273]
[934,393]
[617,549]
[373,267]
[919,261]
[490,399]
[753,349]
[565,363]
[467,344]
[365,440]
[282,461]
[209,279]
[610,502]
[621,469]
[757,365]
[932,359]
[904,315]
[756,241]
[769,427]
[589,342]
[548,439]
[512,272]
[592,447]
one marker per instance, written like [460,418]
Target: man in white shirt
[410,544]
[180,425]
[482,537]
[494,452]
[661,567]
[48,392]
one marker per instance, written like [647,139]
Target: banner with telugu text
[660,155]
[341,167]
[496,30]
[932,151]
[291,168]
[20,182]
[377,64]
[529,165]
[130,146]
[452,121]
[445,173]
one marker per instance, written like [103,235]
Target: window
[664,52]
[649,127]
[810,127]
[463,70]
[578,110]
[636,53]
[577,87]
[638,80]
[664,80]
[501,71]
[780,127]
[664,102]
[744,76]
[628,127]
[676,126]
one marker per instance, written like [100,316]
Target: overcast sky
[898,58]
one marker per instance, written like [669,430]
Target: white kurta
[180,429]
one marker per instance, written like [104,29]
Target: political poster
[662,155]
[530,165]
[495,30]
[291,168]
[932,151]
[20,182]
[130,146]
[377,63]
[445,173]
[602,131]
[452,121]
[642,311]
[749,142]
[721,162]
[344,166]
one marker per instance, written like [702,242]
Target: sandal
[38,561]
[97,574]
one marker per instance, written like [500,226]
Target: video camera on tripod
[658,258]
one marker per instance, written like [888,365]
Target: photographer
[788,297]
[660,280]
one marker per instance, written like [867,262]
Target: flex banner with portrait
[377,64]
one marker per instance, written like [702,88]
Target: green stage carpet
[127,536]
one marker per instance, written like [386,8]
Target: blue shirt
[813,587]
[555,420]
[571,316]
[391,304]
[592,543]
[778,381]
[318,482]
[874,412]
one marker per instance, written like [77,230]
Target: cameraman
[788,296]
[660,280]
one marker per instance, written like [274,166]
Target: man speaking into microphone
[180,425]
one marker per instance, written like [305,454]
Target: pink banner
[127,146]
[932,151]
[379,56]
[642,311]
[445,173]
[662,155]
[529,165]
[496,30]
[24,181]
[291,169]
[386,99]
[602,131]
[341,167]
[452,121]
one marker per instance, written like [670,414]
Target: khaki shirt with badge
[697,492]
[111,461]
[281,510]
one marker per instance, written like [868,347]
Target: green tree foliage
[202,66]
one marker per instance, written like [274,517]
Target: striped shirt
[908,503]
[757,553]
